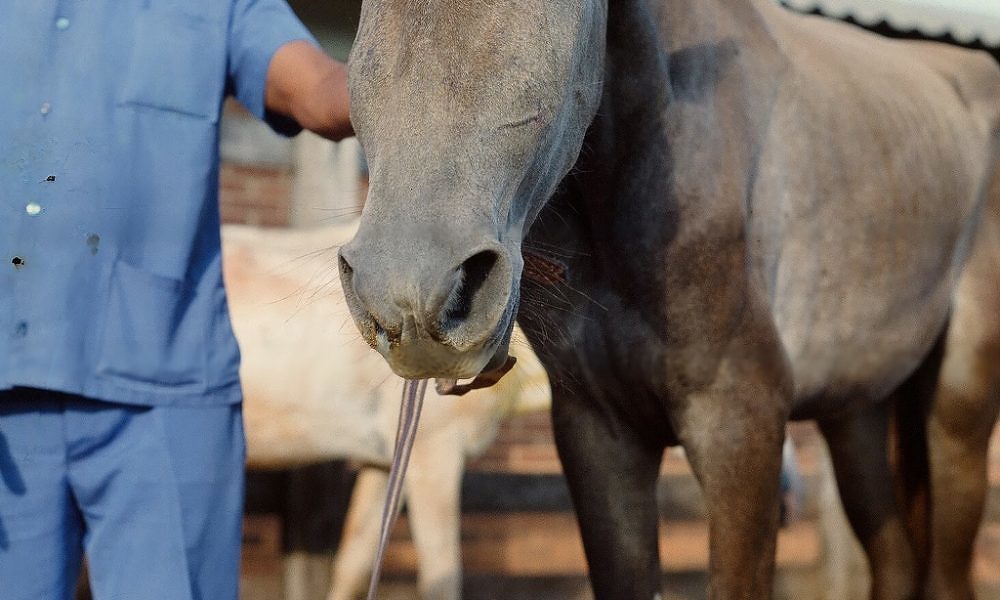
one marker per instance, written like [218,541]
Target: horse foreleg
[859,451]
[734,441]
[612,479]
[353,563]
[434,506]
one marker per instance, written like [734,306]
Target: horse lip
[488,378]
[423,357]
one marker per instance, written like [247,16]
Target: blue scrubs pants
[152,495]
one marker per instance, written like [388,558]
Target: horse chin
[427,358]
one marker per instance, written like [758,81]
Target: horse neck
[687,90]
[690,22]
[712,61]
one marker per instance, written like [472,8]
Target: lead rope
[406,432]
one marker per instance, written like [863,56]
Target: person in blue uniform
[120,424]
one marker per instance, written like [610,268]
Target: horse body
[765,222]
[879,253]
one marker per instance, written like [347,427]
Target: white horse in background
[314,391]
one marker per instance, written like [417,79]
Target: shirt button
[33,209]
[62,23]
[21,329]
[45,108]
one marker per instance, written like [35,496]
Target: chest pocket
[178,64]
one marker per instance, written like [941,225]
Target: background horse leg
[432,494]
[734,444]
[611,474]
[859,450]
[353,563]
[961,420]
[434,487]
[963,414]
[316,501]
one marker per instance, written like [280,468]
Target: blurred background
[519,538]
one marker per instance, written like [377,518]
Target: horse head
[470,113]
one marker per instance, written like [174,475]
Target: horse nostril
[473,274]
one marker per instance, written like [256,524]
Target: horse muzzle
[428,321]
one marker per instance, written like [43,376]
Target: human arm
[307,85]
[278,72]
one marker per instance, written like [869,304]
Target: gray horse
[709,217]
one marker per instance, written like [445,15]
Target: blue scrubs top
[110,270]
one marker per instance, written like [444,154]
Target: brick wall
[273,181]
[255,195]
[257,174]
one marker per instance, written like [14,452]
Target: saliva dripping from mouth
[406,432]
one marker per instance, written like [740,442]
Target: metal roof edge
[965,25]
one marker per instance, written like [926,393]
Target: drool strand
[406,432]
